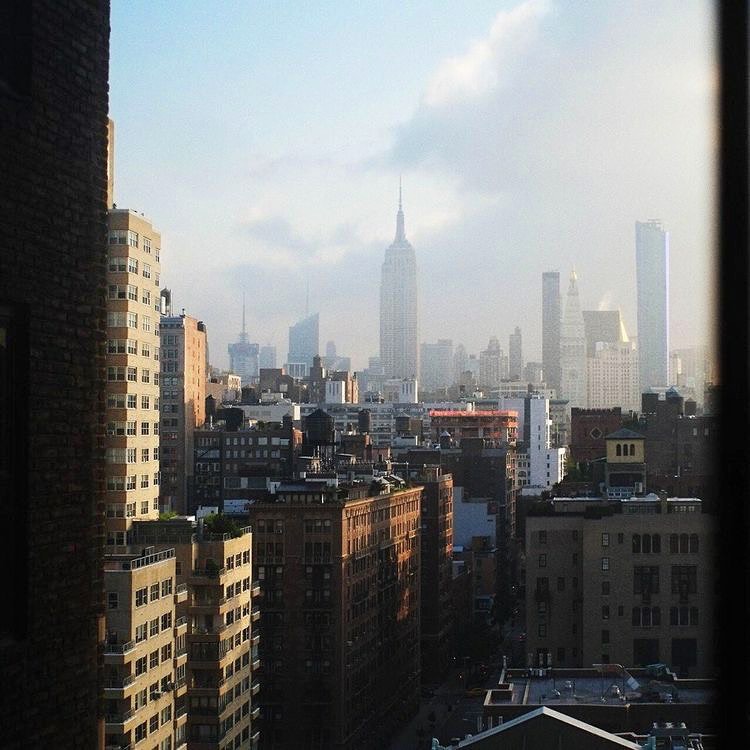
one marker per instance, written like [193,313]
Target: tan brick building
[628,582]
[132,421]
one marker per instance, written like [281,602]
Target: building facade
[612,377]
[436,365]
[515,355]
[304,345]
[626,582]
[399,322]
[652,278]
[53,214]
[573,371]
[184,351]
[551,327]
[339,570]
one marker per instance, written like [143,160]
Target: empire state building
[399,350]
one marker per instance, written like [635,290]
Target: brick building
[627,582]
[339,569]
[588,429]
[53,204]
[184,353]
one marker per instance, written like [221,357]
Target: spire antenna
[400,205]
[400,231]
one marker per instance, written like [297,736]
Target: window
[141,632]
[147,245]
[153,723]
[166,621]
[144,481]
[130,482]
[117,237]
[113,600]
[166,652]
[132,238]
[154,592]
[145,349]
[154,627]
[153,659]
[166,587]
[636,543]
[141,666]
[145,297]
[605,636]
[132,376]
[166,714]
[605,612]
[145,428]
[146,271]
[146,323]
[141,597]
[693,544]
[133,292]
[132,320]
[144,507]
[145,376]
[561,583]
[140,732]
[130,455]
[145,402]
[132,265]
[542,561]
[605,563]
[542,630]
[684,579]
[605,540]
[144,455]
[605,588]
[542,537]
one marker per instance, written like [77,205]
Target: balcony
[181,592]
[119,683]
[255,588]
[120,720]
[112,649]
[206,606]
[255,640]
[180,622]
[255,687]
[255,613]
[255,713]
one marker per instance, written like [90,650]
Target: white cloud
[487,60]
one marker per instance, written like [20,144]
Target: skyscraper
[515,355]
[243,355]
[267,357]
[304,342]
[436,365]
[573,349]
[652,277]
[551,319]
[399,350]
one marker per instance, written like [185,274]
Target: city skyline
[313,203]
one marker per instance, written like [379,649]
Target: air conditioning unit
[156,694]
[169,686]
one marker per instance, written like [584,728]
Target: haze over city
[529,136]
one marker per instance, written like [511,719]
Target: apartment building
[216,641]
[339,570]
[183,394]
[436,631]
[132,422]
[627,581]
[145,652]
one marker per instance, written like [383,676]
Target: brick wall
[53,138]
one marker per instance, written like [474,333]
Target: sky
[266,140]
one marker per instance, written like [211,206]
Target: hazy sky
[265,141]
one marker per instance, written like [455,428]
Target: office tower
[551,323]
[612,376]
[304,344]
[436,365]
[244,356]
[331,349]
[399,326]
[652,277]
[573,349]
[183,406]
[493,365]
[460,363]
[515,355]
[340,589]
[132,422]
[267,357]
[53,211]
[604,326]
